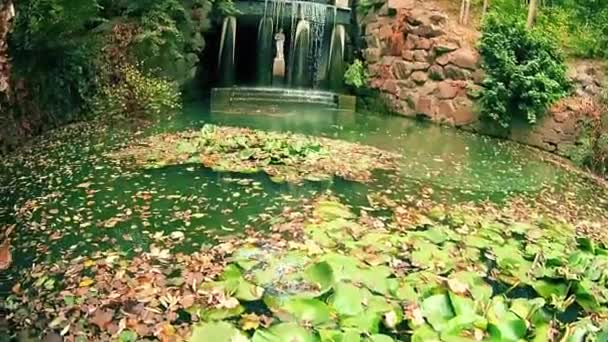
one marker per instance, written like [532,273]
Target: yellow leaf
[86,282]
[89,263]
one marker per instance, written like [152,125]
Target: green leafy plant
[525,71]
[356,75]
[137,94]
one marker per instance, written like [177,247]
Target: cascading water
[265,52]
[300,67]
[314,16]
[336,58]
[227,51]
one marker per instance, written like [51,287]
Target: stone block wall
[423,64]
[416,63]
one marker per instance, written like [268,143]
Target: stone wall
[425,64]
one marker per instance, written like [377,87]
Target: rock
[385,32]
[428,88]
[465,58]
[442,46]
[443,60]
[372,41]
[406,84]
[464,111]
[436,73]
[391,87]
[446,109]
[396,44]
[424,105]
[448,90]
[455,73]
[410,41]
[416,66]
[402,70]
[372,55]
[372,28]
[423,44]
[420,55]
[399,4]
[419,77]
[438,18]
[408,55]
[478,76]
[426,31]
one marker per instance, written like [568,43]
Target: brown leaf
[102,318]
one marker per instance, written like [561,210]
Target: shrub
[136,94]
[356,75]
[525,70]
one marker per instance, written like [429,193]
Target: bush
[525,70]
[138,95]
[356,75]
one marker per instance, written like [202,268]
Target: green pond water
[67,198]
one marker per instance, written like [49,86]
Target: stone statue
[280,41]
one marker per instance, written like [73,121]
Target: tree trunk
[484,10]
[532,13]
[7,12]
[465,7]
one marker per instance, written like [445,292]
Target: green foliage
[591,150]
[356,75]
[137,94]
[525,71]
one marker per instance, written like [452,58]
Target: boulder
[426,31]
[464,113]
[421,55]
[372,41]
[443,60]
[438,18]
[423,43]
[385,32]
[391,87]
[416,66]
[465,58]
[424,105]
[455,73]
[410,41]
[402,69]
[436,72]
[408,55]
[419,77]
[448,90]
[446,109]
[442,45]
[478,76]
[372,55]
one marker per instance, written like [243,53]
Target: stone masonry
[422,66]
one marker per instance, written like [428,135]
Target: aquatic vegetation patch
[284,156]
[328,275]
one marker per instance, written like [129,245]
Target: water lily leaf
[553,291]
[127,336]
[437,310]
[579,331]
[590,295]
[329,210]
[284,332]
[217,332]
[504,325]
[476,286]
[346,335]
[525,308]
[380,338]
[247,291]
[425,333]
[320,274]
[307,310]
[406,292]
[374,278]
[215,314]
[367,321]
[343,267]
[347,299]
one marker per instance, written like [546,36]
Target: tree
[484,10]
[465,7]
[532,8]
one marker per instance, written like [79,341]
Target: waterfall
[265,52]
[336,58]
[300,67]
[314,16]
[227,51]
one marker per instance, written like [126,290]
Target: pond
[68,198]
